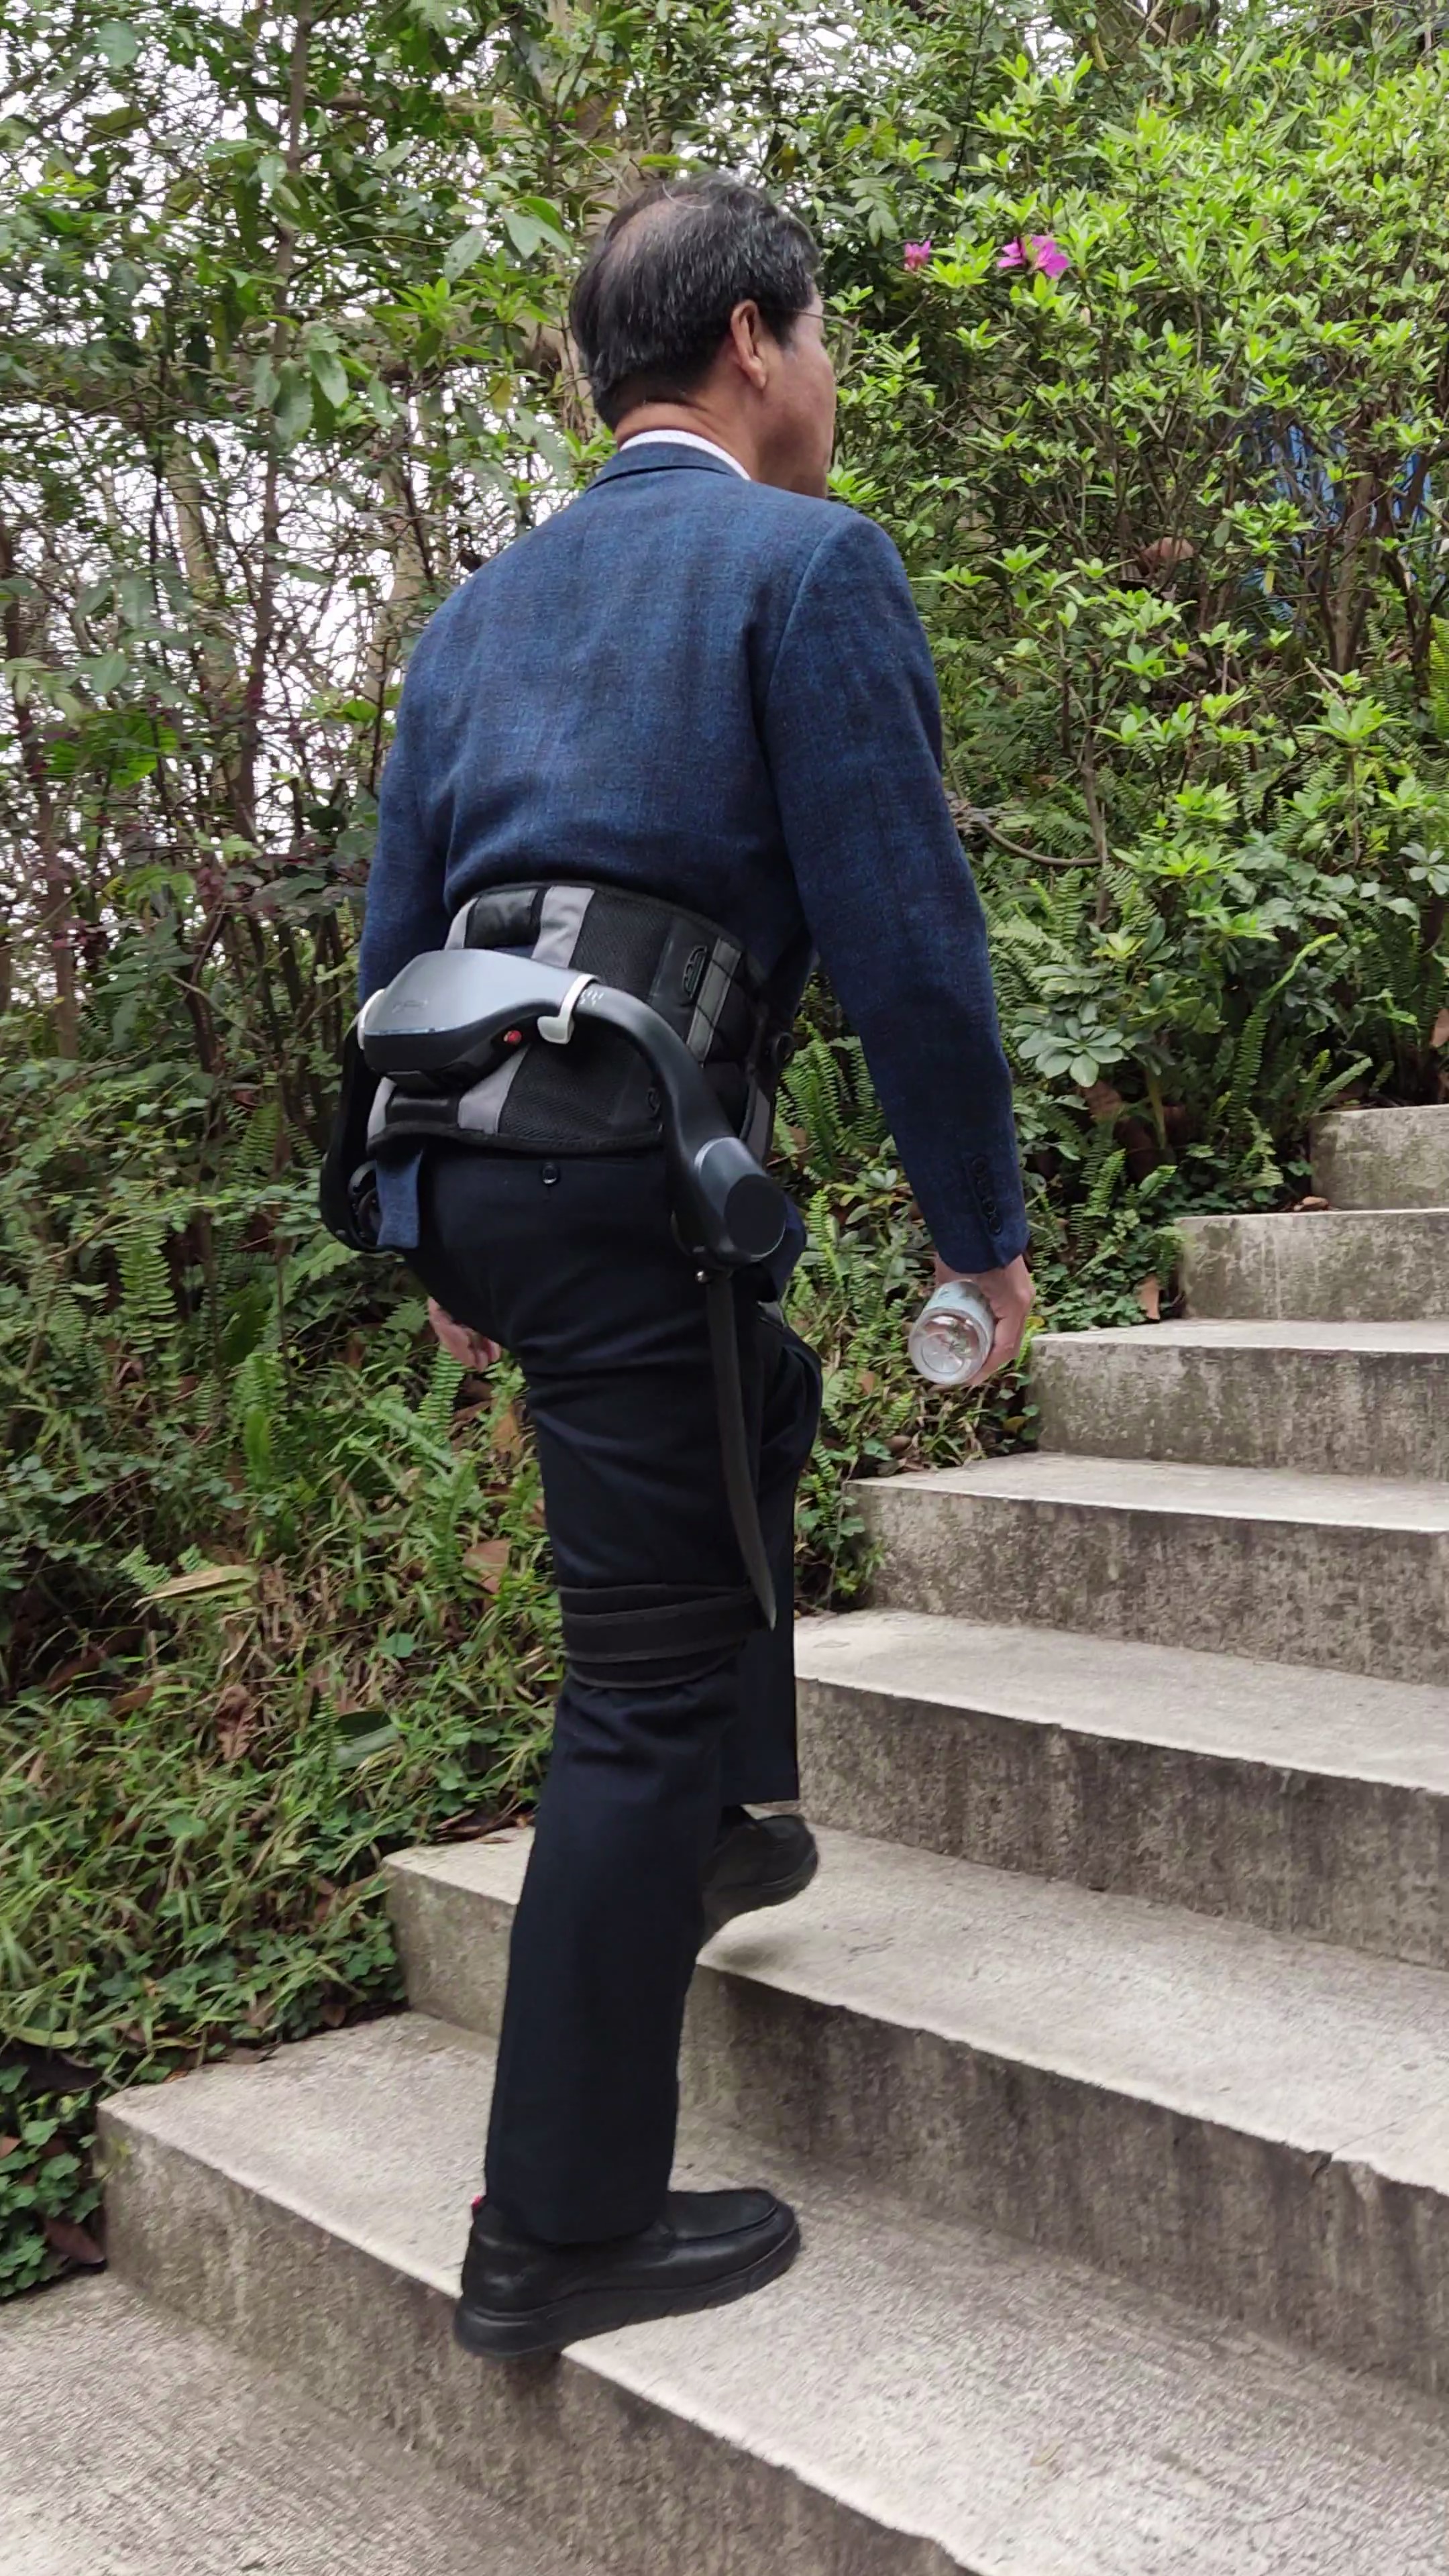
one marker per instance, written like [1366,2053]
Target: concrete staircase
[1108,2061]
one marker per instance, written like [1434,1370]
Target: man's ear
[748,338]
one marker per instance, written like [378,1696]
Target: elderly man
[683,735]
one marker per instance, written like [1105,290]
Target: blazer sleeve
[853,736]
[406,911]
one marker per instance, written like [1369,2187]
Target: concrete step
[1382,1158]
[1329,1399]
[133,2443]
[1311,1803]
[1258,2125]
[1351,1572]
[914,2398]
[1375,1265]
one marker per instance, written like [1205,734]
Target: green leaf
[549,223]
[117,43]
[462,253]
[360,1735]
[525,232]
[329,375]
[293,405]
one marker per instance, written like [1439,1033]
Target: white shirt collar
[684,438]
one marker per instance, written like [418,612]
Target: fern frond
[148,1304]
[1104,1187]
[436,1410]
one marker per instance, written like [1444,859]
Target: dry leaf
[72,1670]
[868,1381]
[487,1559]
[76,2243]
[1308,1207]
[1103,1101]
[8,2146]
[508,1433]
[1149,1298]
[207,1578]
[1439,1034]
[130,1699]
[235,1720]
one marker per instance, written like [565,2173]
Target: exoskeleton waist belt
[597,1096]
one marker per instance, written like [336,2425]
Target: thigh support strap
[638,1633]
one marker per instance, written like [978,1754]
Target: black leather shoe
[520,2296]
[758,1860]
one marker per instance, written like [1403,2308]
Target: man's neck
[694,423]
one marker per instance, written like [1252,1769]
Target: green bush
[276,1601]
[1178,507]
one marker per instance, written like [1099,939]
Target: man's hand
[471,1350]
[1008,1293]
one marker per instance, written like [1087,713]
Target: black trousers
[573,1266]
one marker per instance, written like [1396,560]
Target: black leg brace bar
[739,1474]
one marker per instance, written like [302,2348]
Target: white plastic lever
[558,1028]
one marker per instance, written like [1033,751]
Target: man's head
[698,309]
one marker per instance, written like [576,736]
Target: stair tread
[1335,2053]
[1419,1503]
[1234,1333]
[1235,1707]
[1027,2417]
[135,2444]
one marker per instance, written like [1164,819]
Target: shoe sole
[594,2312]
[755,1900]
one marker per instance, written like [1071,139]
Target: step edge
[1216,1334]
[1303,1218]
[951,1482]
[831,1993]
[917,1699]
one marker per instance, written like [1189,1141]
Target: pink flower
[918,254]
[1043,251]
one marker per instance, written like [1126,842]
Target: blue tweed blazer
[721,694]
